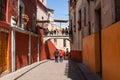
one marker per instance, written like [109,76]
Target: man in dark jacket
[56,55]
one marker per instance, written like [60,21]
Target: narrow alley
[84,34]
[50,70]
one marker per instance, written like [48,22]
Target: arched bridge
[48,37]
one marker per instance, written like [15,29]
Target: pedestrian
[67,54]
[56,55]
[61,54]
[63,31]
[57,31]
[51,32]
[66,31]
[54,32]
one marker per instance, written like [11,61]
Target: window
[20,17]
[84,16]
[34,23]
[117,10]
[74,22]
[64,43]
[79,22]
[21,11]
[2,10]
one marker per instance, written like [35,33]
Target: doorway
[117,10]
[98,21]
[3,52]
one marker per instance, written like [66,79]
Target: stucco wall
[91,52]
[34,48]
[108,16]
[21,49]
[42,46]
[111,52]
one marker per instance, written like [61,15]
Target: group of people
[61,54]
[56,31]
[65,31]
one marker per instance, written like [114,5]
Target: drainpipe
[13,50]
[29,49]
[38,56]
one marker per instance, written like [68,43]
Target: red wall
[50,48]
[21,49]
[76,55]
[42,47]
[34,49]
[29,10]
[11,10]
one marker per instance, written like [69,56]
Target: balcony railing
[56,34]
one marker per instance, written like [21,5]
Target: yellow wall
[111,52]
[91,52]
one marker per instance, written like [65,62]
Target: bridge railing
[57,34]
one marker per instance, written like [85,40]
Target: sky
[60,8]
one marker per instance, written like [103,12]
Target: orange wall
[51,48]
[7,26]
[111,52]
[91,52]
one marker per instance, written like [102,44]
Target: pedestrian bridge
[48,37]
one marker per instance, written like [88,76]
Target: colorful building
[20,38]
[94,25]
[41,16]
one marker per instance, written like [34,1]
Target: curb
[20,72]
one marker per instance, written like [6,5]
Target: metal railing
[56,34]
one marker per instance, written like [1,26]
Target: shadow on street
[73,72]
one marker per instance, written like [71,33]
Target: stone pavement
[49,70]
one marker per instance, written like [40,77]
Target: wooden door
[3,51]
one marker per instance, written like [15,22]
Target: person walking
[56,55]
[61,54]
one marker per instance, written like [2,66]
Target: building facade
[41,16]
[98,24]
[20,38]
[75,33]
[42,12]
